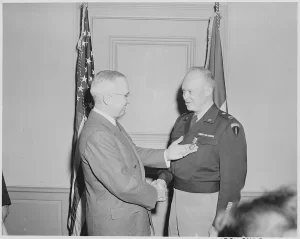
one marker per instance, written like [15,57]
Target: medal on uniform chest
[194,142]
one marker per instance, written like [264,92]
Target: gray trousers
[192,214]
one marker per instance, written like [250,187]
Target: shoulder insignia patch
[235,128]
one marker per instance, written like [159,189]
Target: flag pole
[214,58]
[218,16]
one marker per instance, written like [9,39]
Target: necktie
[193,121]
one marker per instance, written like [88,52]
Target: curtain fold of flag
[214,62]
[84,103]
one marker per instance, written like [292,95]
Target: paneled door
[153,44]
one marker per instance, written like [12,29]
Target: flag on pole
[84,103]
[214,61]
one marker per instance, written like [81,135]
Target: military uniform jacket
[220,163]
[118,197]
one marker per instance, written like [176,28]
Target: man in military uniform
[210,180]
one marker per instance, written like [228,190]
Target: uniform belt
[196,186]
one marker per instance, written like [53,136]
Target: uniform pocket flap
[122,211]
[207,140]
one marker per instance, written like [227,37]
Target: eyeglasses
[126,95]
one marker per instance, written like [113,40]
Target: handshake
[161,188]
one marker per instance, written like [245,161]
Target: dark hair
[246,217]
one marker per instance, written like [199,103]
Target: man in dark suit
[119,199]
[210,180]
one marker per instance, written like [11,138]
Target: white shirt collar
[108,117]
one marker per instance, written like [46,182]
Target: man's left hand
[177,151]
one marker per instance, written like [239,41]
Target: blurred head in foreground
[273,214]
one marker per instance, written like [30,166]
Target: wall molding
[203,18]
[155,5]
[38,210]
[116,41]
[32,189]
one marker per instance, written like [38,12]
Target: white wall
[38,93]
[38,90]
[261,87]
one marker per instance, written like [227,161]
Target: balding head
[104,82]
[197,89]
[205,74]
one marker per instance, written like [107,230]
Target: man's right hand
[178,151]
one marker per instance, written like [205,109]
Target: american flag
[214,61]
[84,104]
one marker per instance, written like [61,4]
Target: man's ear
[208,90]
[107,99]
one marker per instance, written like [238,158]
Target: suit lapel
[114,129]
[126,138]
[122,136]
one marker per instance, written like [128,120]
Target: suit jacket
[119,199]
